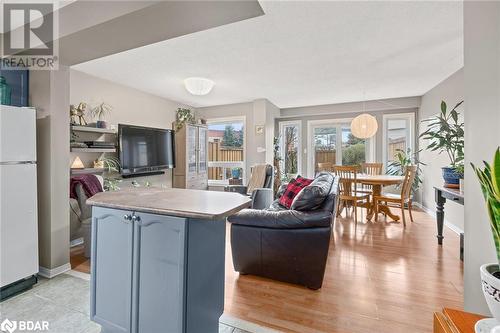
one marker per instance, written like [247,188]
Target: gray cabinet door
[159,255]
[111,283]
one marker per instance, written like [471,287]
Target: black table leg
[440,200]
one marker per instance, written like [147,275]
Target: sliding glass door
[331,142]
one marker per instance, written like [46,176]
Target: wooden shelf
[86,171]
[93,150]
[92,129]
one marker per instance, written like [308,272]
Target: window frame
[282,126]
[410,138]
[228,164]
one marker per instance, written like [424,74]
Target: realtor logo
[29,34]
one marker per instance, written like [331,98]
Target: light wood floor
[379,278]
[78,261]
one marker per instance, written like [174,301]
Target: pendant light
[364,126]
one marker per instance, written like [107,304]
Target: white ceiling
[303,53]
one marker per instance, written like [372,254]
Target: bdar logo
[8,326]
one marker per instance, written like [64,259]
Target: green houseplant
[445,133]
[183,116]
[489,179]
[100,112]
[402,159]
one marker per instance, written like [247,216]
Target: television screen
[145,150]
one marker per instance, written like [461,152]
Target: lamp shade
[77,164]
[198,86]
[364,126]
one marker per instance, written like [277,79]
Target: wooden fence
[218,153]
[394,145]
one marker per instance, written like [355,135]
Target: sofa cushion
[293,188]
[281,219]
[313,195]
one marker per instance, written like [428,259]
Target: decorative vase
[491,288]
[451,177]
[5,92]
[101,124]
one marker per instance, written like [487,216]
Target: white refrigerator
[18,198]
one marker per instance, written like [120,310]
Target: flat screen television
[145,150]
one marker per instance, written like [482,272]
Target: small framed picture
[259,129]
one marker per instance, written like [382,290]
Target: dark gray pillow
[313,195]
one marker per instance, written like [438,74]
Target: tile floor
[64,302]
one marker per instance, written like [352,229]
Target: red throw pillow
[293,188]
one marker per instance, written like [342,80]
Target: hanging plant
[183,116]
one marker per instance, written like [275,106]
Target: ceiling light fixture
[198,86]
[364,126]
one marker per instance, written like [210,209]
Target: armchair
[288,245]
[261,197]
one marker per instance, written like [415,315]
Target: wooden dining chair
[325,166]
[349,190]
[399,200]
[372,168]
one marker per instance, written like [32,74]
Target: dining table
[377,182]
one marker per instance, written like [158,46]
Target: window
[226,150]
[398,135]
[332,143]
[290,148]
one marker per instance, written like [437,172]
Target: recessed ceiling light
[198,86]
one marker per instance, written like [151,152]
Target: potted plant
[489,178]
[183,116]
[445,133]
[100,112]
[402,159]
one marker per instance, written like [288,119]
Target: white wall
[130,106]
[451,90]
[482,122]
[258,112]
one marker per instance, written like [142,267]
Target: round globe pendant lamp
[364,126]
[198,86]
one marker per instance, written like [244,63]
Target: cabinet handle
[127,217]
[136,218]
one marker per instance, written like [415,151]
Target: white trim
[300,151]
[244,325]
[80,275]
[49,273]
[432,213]
[410,116]
[245,133]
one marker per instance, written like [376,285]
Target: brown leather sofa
[288,245]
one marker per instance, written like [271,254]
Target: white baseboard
[432,213]
[244,325]
[49,273]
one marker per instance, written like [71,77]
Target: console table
[441,194]
[455,321]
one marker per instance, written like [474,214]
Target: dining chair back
[410,173]
[372,168]
[348,186]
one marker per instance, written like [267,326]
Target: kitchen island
[157,262]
